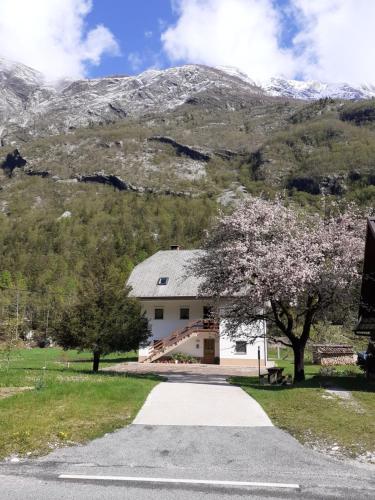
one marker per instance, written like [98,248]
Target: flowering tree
[282,266]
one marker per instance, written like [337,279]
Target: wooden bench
[275,375]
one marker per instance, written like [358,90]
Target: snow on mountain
[12,69]
[32,106]
[45,109]
[316,90]
[307,90]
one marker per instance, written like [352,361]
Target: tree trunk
[299,362]
[95,366]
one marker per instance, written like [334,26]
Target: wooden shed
[366,322]
[333,354]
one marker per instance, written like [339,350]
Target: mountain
[30,106]
[125,166]
[306,90]
[187,131]
[33,107]
[312,90]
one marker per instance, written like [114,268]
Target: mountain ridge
[306,89]
[30,106]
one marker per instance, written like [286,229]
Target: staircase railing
[196,326]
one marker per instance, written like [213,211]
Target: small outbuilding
[333,354]
[366,322]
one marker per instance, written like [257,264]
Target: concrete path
[203,402]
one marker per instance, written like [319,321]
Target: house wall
[228,354]
[194,346]
[224,345]
[162,327]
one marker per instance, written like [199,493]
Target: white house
[181,321]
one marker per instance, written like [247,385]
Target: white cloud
[51,36]
[336,38]
[334,42]
[240,33]
[135,61]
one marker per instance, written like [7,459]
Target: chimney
[175,247]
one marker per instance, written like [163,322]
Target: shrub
[183,358]
[360,113]
[327,371]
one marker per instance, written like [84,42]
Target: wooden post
[17,311]
[259,364]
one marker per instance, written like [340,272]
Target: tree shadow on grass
[349,383]
[114,374]
[103,360]
[118,375]
[76,371]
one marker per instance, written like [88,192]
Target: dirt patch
[6,392]
[186,369]
[344,397]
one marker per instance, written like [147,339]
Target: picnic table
[275,375]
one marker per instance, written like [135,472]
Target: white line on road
[209,482]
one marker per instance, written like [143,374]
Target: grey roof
[171,264]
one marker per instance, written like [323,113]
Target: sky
[326,40]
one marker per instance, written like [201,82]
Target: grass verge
[343,427]
[67,403]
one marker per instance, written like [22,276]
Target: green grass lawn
[316,417]
[66,402]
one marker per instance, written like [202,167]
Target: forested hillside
[123,186]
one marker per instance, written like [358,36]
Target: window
[207,312]
[184,313]
[159,313]
[163,281]
[241,347]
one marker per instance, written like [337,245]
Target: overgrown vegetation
[51,228]
[105,318]
[321,147]
[45,257]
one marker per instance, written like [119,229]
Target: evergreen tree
[104,318]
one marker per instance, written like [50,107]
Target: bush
[184,358]
[349,371]
[366,360]
[327,371]
[360,113]
[42,342]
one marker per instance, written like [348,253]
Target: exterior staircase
[163,346]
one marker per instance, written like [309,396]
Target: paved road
[188,452]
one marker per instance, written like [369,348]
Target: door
[209,351]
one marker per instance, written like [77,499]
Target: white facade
[169,293]
[229,354]
[226,349]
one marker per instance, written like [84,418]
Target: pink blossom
[282,265]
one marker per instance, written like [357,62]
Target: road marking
[209,482]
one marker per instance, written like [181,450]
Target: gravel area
[187,369]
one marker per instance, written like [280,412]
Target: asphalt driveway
[149,459]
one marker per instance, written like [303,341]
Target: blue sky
[326,40]
[137,26]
